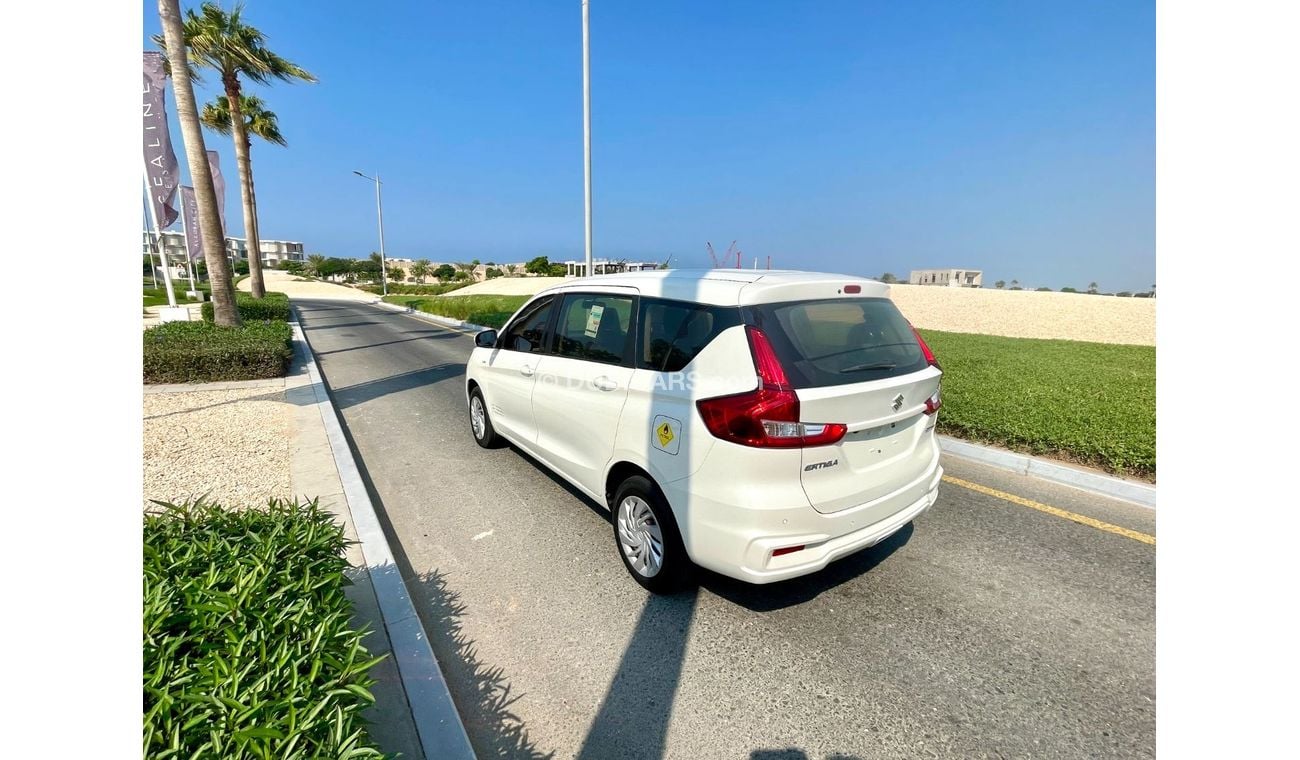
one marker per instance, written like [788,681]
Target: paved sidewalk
[313,474]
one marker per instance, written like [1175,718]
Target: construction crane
[726,258]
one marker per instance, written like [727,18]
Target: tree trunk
[187,113]
[239,130]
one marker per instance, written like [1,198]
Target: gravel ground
[231,444]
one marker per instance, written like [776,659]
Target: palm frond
[258,119]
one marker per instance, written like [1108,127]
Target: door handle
[604,383]
[526,371]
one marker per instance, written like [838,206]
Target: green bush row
[192,352]
[248,650]
[274,306]
[489,311]
[415,289]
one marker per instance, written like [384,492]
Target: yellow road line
[1081,519]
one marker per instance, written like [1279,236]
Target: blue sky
[856,137]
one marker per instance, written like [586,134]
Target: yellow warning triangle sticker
[665,432]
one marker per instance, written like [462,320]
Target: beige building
[952,278]
[173,246]
[605,266]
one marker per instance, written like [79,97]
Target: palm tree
[420,270]
[314,263]
[187,113]
[1092,288]
[258,121]
[1015,284]
[222,42]
[1000,284]
[511,269]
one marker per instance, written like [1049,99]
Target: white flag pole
[185,228]
[157,236]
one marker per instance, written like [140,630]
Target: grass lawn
[1093,403]
[489,311]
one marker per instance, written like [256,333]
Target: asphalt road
[986,629]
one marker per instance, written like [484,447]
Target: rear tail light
[935,401]
[769,416]
[925,349]
[787,550]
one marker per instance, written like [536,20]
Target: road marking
[1081,519]
[484,534]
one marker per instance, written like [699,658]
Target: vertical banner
[190,213]
[161,171]
[219,186]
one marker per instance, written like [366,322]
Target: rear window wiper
[864,367]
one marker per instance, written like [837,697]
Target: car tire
[646,537]
[484,434]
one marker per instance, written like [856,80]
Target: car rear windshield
[839,341]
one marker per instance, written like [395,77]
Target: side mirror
[486,339]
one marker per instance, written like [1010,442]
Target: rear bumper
[737,541]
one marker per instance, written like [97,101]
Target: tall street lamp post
[379,205]
[586,125]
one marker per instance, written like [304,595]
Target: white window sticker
[593,320]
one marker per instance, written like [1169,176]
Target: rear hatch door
[856,362]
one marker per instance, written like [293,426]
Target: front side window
[594,327]
[528,332]
[673,332]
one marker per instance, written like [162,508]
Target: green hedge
[274,306]
[191,352]
[248,650]
[489,311]
[415,289]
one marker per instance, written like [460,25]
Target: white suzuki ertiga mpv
[756,423]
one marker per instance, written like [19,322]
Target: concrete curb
[441,732]
[1023,464]
[436,319]
[226,385]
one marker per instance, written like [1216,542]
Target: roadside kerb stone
[437,724]
[437,319]
[1023,464]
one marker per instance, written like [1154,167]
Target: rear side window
[594,327]
[841,341]
[674,332]
[527,332]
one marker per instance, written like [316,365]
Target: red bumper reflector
[786,550]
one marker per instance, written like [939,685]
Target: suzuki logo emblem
[898,402]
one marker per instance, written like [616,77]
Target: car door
[509,371]
[582,384]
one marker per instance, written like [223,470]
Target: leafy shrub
[189,352]
[402,288]
[274,306]
[489,311]
[248,650]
